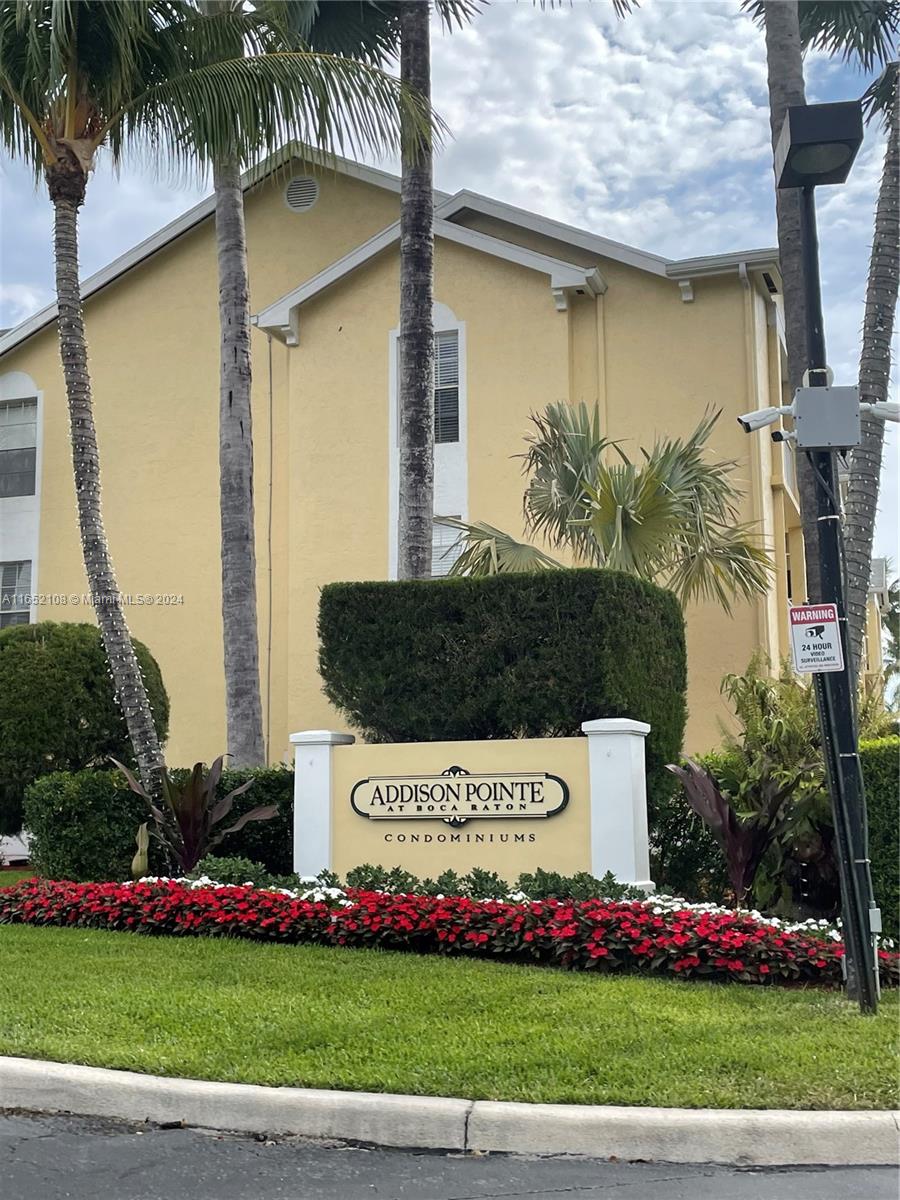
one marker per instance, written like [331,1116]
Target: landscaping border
[734,1137]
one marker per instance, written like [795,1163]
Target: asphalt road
[58,1158]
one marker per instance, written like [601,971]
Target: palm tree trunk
[243,706]
[67,194]
[785,77]
[416,386]
[874,373]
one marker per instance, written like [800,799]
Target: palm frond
[490,551]
[336,104]
[160,77]
[632,515]
[724,564]
[367,30]
[861,31]
[880,99]
[564,455]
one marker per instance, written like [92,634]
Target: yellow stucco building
[527,311]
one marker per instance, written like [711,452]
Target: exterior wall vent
[301,193]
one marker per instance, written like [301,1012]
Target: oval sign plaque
[456,796]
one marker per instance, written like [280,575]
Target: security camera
[752,421]
[781,435]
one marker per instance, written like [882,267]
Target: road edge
[732,1137]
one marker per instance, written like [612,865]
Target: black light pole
[817,146]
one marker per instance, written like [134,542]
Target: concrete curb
[743,1137]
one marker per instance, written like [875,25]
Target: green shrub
[83,825]
[57,707]
[238,871]
[506,656]
[880,760]
[269,843]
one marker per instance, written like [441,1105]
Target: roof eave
[281,319]
[188,220]
[724,264]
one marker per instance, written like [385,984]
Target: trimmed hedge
[58,711]
[83,824]
[880,765]
[529,655]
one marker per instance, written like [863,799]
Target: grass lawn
[374,1021]
[11,875]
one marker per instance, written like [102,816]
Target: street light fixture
[817,145]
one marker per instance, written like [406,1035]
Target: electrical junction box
[826,418]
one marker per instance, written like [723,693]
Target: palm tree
[671,518]
[123,75]
[240,635]
[861,501]
[368,32]
[864,32]
[416,341]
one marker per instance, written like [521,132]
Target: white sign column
[618,782]
[313,749]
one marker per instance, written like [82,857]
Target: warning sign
[816,638]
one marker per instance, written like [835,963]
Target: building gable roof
[281,317]
[448,211]
[466,201]
[188,220]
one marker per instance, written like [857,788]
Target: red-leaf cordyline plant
[186,825]
[743,840]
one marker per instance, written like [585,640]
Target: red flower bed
[587,935]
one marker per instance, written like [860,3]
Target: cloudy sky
[652,130]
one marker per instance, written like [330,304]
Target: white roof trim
[560,232]
[720,264]
[280,318]
[446,208]
[181,225]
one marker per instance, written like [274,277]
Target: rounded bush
[530,655]
[58,711]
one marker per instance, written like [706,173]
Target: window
[444,550]
[15,585]
[446,386]
[18,447]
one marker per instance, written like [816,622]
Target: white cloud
[652,130]
[20,300]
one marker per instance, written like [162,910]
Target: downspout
[756,472]
[269,559]
[602,394]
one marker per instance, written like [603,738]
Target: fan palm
[156,76]
[671,518]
